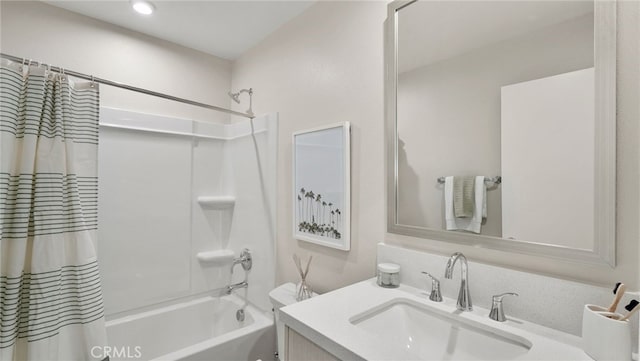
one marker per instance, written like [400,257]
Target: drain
[240,315]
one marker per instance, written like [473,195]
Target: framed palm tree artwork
[321,185]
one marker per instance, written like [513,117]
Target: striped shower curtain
[50,294]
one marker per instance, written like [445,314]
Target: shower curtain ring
[47,71]
[93,82]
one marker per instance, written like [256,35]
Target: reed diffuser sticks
[303,291]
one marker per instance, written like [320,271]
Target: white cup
[604,336]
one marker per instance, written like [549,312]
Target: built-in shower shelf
[217,202]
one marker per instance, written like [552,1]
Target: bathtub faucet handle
[245,260]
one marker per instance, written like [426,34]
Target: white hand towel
[449,213]
[480,206]
[473,224]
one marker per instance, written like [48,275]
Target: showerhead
[235,97]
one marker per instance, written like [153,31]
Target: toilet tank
[281,296]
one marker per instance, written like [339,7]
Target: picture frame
[322,185]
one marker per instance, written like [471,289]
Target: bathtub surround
[142,156]
[340,77]
[49,189]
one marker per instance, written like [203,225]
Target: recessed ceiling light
[143,7]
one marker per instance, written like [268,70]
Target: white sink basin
[364,322]
[431,334]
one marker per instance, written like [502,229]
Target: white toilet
[282,296]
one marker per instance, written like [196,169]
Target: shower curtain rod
[128,87]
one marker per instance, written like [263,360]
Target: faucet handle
[435,295]
[498,298]
[497,312]
[245,260]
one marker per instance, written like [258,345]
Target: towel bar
[495,180]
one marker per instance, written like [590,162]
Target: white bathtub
[201,329]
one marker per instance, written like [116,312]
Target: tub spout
[235,286]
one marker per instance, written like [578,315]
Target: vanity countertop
[326,320]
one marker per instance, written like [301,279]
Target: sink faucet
[235,286]
[464,297]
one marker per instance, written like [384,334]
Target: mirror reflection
[497,89]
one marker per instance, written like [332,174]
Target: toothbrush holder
[604,336]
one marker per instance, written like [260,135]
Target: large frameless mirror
[501,125]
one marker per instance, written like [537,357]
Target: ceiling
[431,31]
[225,29]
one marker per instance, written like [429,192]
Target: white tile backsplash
[544,300]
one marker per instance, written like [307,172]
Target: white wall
[548,148]
[326,66]
[323,67]
[32,29]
